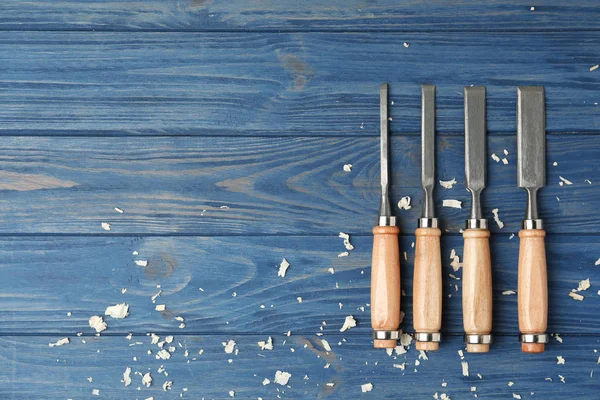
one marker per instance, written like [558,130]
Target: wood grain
[45,278]
[333,15]
[32,368]
[289,84]
[427,285]
[182,186]
[385,283]
[477,286]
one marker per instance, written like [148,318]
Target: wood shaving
[495,157]
[588,181]
[505,152]
[597,262]
[566,181]
[557,337]
[560,360]
[366,387]
[283,267]
[508,292]
[163,355]
[497,218]
[160,307]
[346,238]
[326,345]
[266,345]
[282,377]
[510,384]
[330,384]
[562,378]
[400,366]
[451,203]
[465,368]
[344,254]
[266,381]
[448,184]
[576,296]
[60,342]
[231,393]
[141,263]
[404,203]
[347,167]
[147,379]
[97,323]
[594,67]
[349,322]
[229,346]
[504,161]
[455,263]
[105,226]
[423,355]
[331,270]
[405,339]
[127,376]
[405,45]
[96,392]
[167,385]
[584,285]
[118,311]
[516,396]
[120,211]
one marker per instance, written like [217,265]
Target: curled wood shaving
[404,203]
[497,218]
[59,342]
[349,322]
[347,167]
[451,203]
[448,184]
[283,267]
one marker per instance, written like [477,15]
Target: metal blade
[384,207]
[428,148]
[531,137]
[475,146]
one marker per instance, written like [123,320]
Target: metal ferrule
[386,335]
[532,224]
[475,338]
[476,223]
[435,337]
[384,220]
[534,338]
[428,223]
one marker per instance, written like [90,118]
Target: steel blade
[428,148]
[475,139]
[531,137]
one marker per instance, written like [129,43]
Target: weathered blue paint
[249,110]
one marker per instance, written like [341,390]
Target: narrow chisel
[385,269]
[531,176]
[427,280]
[477,265]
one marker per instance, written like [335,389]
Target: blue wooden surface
[220,129]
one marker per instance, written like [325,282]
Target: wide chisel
[385,269]
[477,265]
[427,280]
[531,176]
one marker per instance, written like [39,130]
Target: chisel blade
[475,146]
[428,148]
[531,137]
[385,209]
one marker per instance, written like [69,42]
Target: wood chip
[346,238]
[451,203]
[576,296]
[282,377]
[465,368]
[497,218]
[141,263]
[229,346]
[560,360]
[147,379]
[97,323]
[105,226]
[584,285]
[118,311]
[448,184]
[60,342]
[347,167]
[565,180]
[326,345]
[127,376]
[283,267]
[594,67]
[266,345]
[349,322]
[495,157]
[366,387]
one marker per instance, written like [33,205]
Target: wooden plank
[271,185]
[31,367]
[57,83]
[47,278]
[336,15]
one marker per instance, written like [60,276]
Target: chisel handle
[533,287]
[385,283]
[427,286]
[477,289]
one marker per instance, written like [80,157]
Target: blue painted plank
[47,278]
[57,83]
[32,368]
[333,15]
[272,186]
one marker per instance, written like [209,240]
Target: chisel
[477,265]
[531,176]
[385,269]
[427,281]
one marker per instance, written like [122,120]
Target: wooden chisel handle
[477,288]
[533,287]
[385,283]
[427,286]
